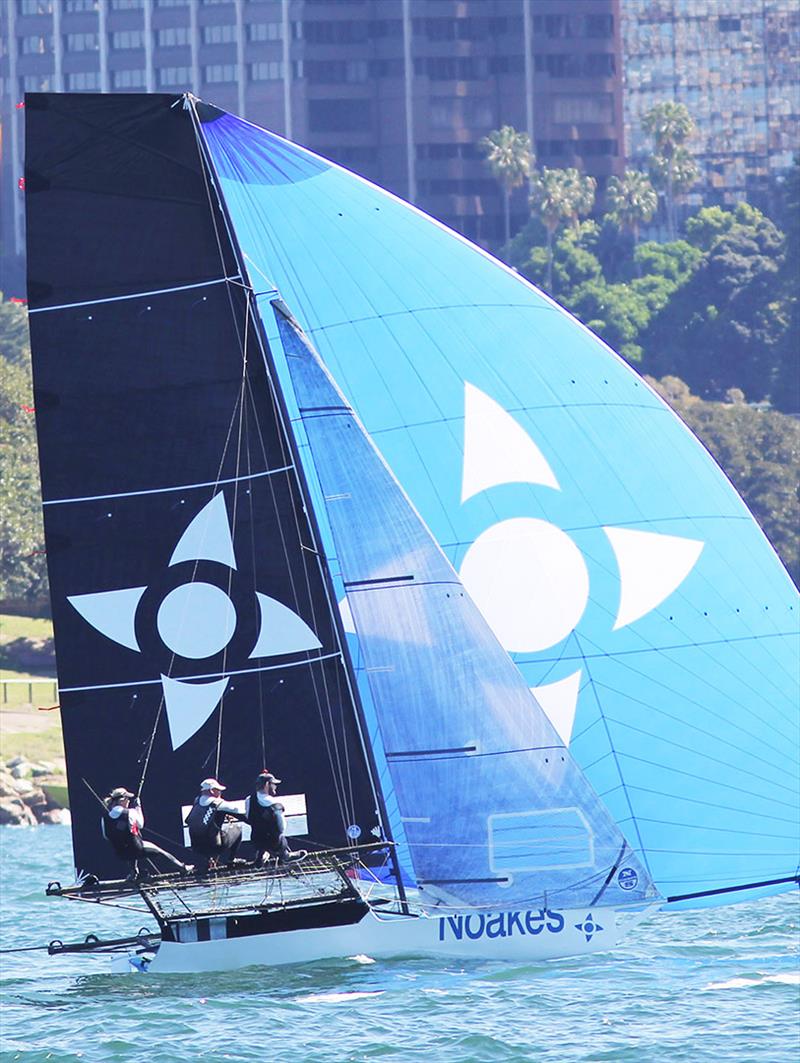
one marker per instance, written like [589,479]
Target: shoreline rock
[26,803]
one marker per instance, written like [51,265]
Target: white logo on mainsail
[528,577]
[196,620]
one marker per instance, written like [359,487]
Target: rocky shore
[30,792]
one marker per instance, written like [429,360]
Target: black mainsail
[194,622]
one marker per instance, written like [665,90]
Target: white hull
[516,936]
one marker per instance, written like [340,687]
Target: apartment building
[734,64]
[398,90]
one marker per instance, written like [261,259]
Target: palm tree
[632,201]
[671,166]
[509,157]
[551,202]
[581,189]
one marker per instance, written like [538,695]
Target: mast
[311,516]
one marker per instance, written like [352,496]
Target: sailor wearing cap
[266,816]
[211,836]
[122,825]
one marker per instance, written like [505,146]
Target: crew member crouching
[265,814]
[211,837]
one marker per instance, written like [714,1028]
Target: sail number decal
[500,925]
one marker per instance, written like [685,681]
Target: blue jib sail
[608,552]
[495,811]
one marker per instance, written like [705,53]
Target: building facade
[734,64]
[398,90]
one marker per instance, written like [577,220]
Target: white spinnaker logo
[528,577]
[196,620]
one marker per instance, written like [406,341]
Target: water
[712,986]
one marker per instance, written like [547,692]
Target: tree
[632,201]
[759,451]
[723,328]
[509,157]
[671,165]
[558,196]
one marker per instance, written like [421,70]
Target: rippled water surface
[711,986]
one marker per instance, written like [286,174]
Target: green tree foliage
[672,168]
[559,196]
[759,451]
[22,563]
[722,327]
[509,157]
[632,201]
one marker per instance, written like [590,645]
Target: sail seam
[134,295]
[208,675]
[164,490]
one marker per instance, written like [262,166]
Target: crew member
[122,825]
[212,838]
[266,816]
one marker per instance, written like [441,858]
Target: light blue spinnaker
[496,812]
[611,556]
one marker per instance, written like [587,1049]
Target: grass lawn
[23,728]
[28,627]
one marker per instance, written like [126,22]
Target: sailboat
[329,489]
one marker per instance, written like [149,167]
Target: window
[338,116]
[264,31]
[385,27]
[35,7]
[506,64]
[729,25]
[127,39]
[445,112]
[598,26]
[219,34]
[599,64]
[172,36]
[386,68]
[80,5]
[573,109]
[336,71]
[173,3]
[128,79]
[125,5]
[558,64]
[219,72]
[82,42]
[174,76]
[36,45]
[451,68]
[329,32]
[266,71]
[36,83]
[84,81]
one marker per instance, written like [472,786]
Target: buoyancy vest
[204,822]
[126,844]
[266,822]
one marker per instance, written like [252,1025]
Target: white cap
[211,784]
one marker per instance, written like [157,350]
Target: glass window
[84,81]
[173,35]
[36,83]
[82,42]
[35,45]
[127,39]
[266,71]
[175,75]
[219,34]
[218,72]
[173,3]
[128,79]
[125,5]
[80,5]
[35,7]
[264,31]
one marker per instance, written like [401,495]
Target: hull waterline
[513,936]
